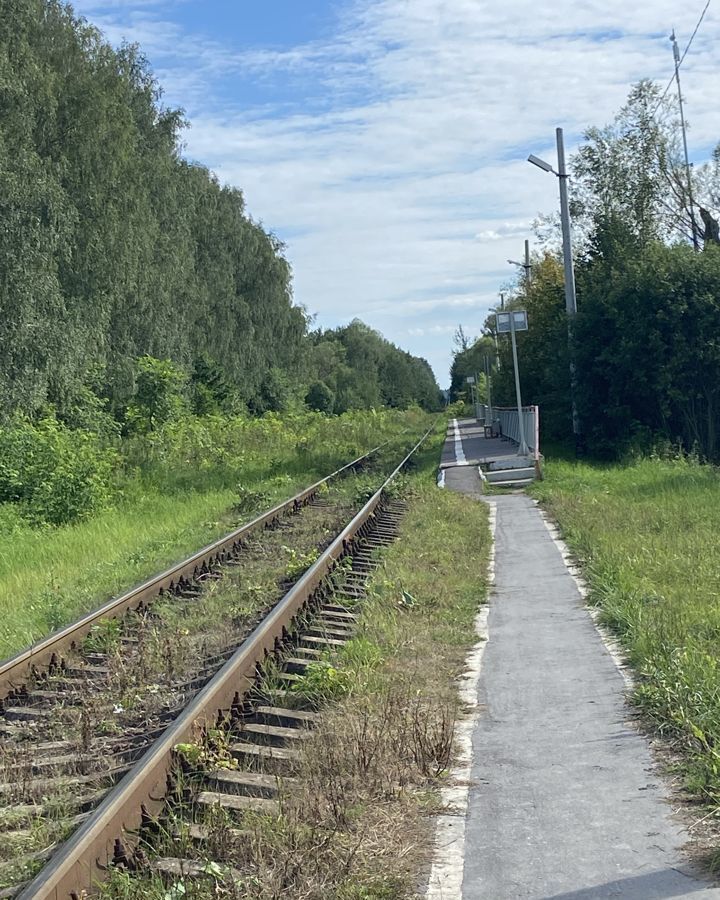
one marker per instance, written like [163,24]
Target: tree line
[645,339]
[127,270]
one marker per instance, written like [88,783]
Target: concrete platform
[466,445]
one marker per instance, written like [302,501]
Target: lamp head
[540,163]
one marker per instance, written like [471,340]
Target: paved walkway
[565,801]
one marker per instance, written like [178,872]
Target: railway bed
[224,680]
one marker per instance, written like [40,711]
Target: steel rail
[83,860]
[15,672]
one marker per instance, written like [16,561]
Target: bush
[320,397]
[55,474]
[158,395]
[273,394]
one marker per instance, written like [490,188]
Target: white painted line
[459,453]
[446,874]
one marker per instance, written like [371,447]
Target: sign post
[471,381]
[510,322]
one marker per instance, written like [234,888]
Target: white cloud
[405,192]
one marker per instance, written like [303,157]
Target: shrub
[55,473]
[320,397]
[273,394]
[158,395]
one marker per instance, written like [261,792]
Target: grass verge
[357,824]
[646,535]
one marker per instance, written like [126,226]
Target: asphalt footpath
[565,799]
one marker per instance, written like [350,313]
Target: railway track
[80,707]
[62,677]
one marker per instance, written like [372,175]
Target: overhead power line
[685,51]
[692,38]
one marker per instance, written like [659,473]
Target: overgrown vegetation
[355,824]
[166,494]
[180,642]
[646,534]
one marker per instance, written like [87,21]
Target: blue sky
[385,140]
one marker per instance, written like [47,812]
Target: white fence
[505,423]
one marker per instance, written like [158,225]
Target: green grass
[178,500]
[49,577]
[647,536]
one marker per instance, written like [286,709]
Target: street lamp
[570,298]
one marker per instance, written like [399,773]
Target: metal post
[527,265]
[570,297]
[488,377]
[691,204]
[523,448]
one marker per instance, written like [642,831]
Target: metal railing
[505,423]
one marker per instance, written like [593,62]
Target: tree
[115,250]
[320,397]
[629,184]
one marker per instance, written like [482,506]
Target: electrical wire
[689,44]
[692,38]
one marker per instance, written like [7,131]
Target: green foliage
[320,398]
[323,683]
[471,362]
[120,259]
[644,341]
[623,176]
[647,349]
[299,562]
[273,393]
[104,637]
[542,352]
[362,370]
[158,395]
[55,474]
[139,297]
[249,500]
[211,394]
[113,247]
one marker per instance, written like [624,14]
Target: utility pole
[524,265]
[691,204]
[510,322]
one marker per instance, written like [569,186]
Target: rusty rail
[83,860]
[46,653]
